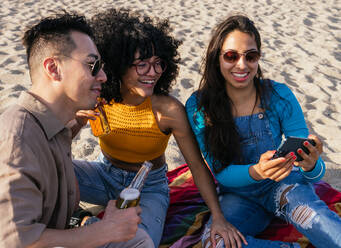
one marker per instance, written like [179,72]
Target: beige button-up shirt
[37,180]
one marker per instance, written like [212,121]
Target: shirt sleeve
[288,111]
[20,194]
[317,173]
[233,175]
[293,123]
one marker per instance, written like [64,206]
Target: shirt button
[260,116]
[68,154]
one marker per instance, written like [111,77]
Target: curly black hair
[119,34]
[54,31]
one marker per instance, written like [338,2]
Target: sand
[301,47]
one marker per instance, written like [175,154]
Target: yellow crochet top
[135,135]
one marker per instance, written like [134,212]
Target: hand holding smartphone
[291,144]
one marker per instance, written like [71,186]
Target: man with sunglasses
[38,189]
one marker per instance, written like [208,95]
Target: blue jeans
[251,208]
[293,199]
[100,182]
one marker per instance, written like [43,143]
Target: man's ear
[51,68]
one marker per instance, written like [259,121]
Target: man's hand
[121,224]
[117,225]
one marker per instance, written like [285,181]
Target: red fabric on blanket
[188,213]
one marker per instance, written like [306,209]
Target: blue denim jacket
[284,118]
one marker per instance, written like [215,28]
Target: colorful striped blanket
[188,213]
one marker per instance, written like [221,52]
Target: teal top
[285,118]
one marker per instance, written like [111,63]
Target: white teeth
[240,75]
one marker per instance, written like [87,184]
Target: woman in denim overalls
[239,119]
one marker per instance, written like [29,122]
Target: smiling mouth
[240,75]
[148,82]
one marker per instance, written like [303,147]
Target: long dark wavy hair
[222,139]
[120,33]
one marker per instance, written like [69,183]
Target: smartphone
[291,144]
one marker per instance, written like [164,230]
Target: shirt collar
[49,121]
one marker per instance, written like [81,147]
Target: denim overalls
[251,208]
[100,182]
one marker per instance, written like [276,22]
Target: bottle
[130,196]
[104,119]
[100,126]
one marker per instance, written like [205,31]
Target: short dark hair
[119,34]
[54,31]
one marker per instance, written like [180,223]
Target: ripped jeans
[251,208]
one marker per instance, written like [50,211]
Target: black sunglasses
[95,66]
[233,56]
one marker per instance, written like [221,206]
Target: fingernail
[294,157]
[292,154]
[299,151]
[305,143]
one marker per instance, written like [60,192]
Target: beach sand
[301,47]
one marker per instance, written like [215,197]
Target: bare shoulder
[169,112]
[167,105]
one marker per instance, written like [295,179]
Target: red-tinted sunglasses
[233,56]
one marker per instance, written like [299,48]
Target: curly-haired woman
[239,118]
[141,62]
